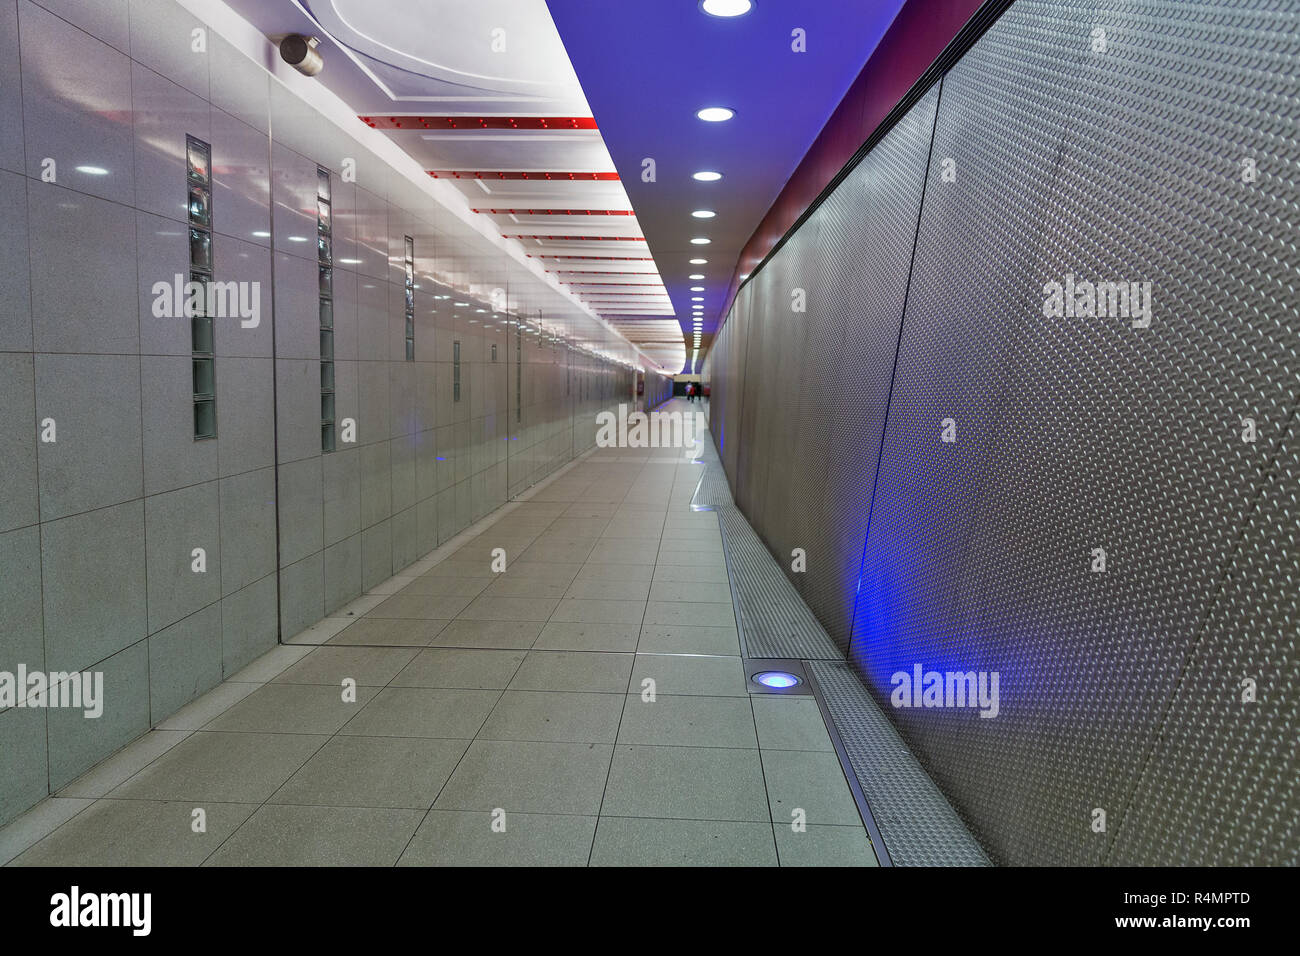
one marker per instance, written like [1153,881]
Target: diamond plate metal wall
[1078,142]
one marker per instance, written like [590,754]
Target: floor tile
[393,632]
[471,668]
[679,675]
[499,634]
[808,781]
[687,783]
[138,833]
[570,636]
[554,715]
[396,772]
[683,639]
[292,709]
[423,607]
[319,836]
[604,673]
[467,838]
[825,846]
[423,712]
[790,723]
[528,777]
[368,666]
[599,612]
[222,767]
[487,607]
[633,841]
[676,613]
[688,722]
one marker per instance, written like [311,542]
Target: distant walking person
[690,392]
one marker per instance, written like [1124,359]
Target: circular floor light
[775,679]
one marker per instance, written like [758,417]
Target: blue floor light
[776,679]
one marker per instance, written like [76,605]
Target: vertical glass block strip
[455,371]
[409,251]
[325,265]
[198,191]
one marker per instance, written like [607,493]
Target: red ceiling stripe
[472,123]
[577,238]
[557,212]
[536,175]
[601,258]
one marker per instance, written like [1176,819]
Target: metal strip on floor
[917,824]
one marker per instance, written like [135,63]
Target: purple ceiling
[646,66]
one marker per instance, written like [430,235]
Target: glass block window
[410,298]
[325,266]
[198,176]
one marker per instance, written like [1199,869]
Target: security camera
[300,53]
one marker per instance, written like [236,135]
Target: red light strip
[471,123]
[536,175]
[557,212]
[578,238]
[600,258]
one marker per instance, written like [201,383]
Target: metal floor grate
[917,824]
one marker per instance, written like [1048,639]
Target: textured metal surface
[1236,759]
[916,823]
[1117,155]
[773,620]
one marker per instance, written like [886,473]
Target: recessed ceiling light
[93,170]
[704,214]
[715,114]
[697,298]
[696,275]
[262,235]
[699,262]
[697,288]
[699,241]
[297,238]
[726,8]
[707,176]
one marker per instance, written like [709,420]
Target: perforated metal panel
[1081,433]
[918,826]
[1135,142]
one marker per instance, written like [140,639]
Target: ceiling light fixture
[696,275]
[704,214]
[707,176]
[699,262]
[715,114]
[726,8]
[697,288]
[699,241]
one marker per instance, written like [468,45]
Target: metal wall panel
[1136,142]
[1085,432]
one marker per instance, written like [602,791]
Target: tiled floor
[588,705]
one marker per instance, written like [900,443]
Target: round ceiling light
[699,262]
[696,275]
[715,114]
[704,214]
[707,176]
[726,8]
[775,679]
[699,241]
[697,288]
